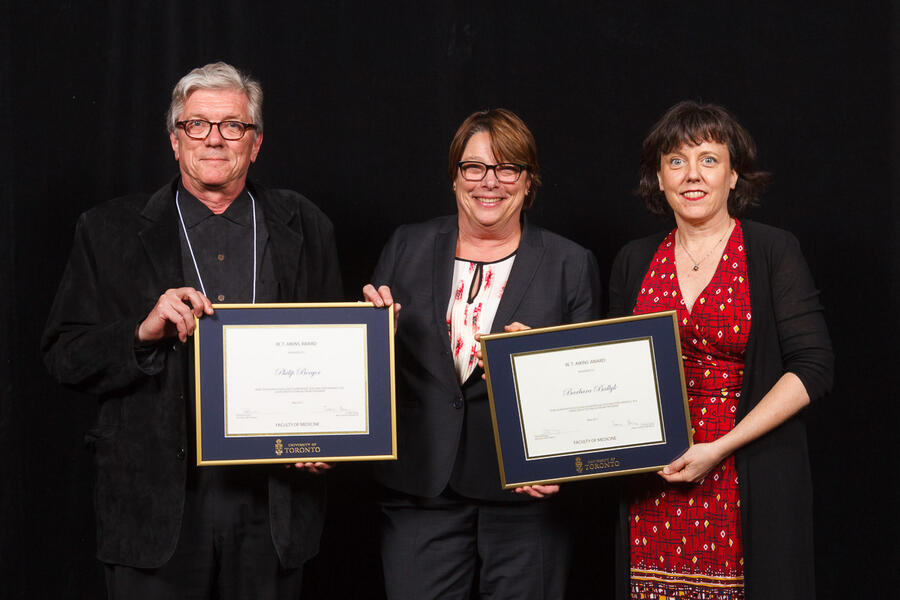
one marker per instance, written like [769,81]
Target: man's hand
[173,315]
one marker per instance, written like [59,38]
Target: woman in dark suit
[446,521]
[732,517]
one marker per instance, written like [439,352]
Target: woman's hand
[538,491]
[693,465]
[315,468]
[381,298]
[514,326]
[786,398]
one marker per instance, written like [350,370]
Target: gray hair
[216,76]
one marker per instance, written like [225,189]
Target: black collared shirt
[223,248]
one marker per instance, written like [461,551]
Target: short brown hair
[690,122]
[511,141]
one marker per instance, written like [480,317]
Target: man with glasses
[141,268]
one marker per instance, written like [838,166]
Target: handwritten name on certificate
[588,398]
[295,380]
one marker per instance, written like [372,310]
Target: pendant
[696,267]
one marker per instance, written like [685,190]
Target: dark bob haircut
[511,141]
[693,123]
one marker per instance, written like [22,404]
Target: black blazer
[787,334]
[125,254]
[445,435]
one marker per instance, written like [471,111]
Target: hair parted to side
[217,76]
[690,122]
[511,141]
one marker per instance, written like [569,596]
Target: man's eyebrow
[202,117]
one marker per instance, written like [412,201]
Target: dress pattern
[477,290]
[686,539]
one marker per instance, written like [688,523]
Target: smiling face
[215,165]
[488,206]
[696,180]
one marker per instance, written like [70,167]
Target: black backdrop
[361,101]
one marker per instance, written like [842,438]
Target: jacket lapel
[286,244]
[161,240]
[528,258]
[442,276]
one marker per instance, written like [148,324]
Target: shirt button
[221,257]
[221,297]
[180,454]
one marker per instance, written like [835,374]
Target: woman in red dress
[731,518]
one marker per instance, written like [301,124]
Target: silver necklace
[191,248]
[696,262]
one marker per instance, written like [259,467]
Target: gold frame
[296,458]
[494,336]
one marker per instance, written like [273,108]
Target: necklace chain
[191,248]
[696,266]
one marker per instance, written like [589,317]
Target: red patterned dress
[686,539]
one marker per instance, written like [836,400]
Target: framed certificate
[295,383]
[587,400]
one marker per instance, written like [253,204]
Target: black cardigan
[787,334]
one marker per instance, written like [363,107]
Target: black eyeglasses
[198,129]
[473,170]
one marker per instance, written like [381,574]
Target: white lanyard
[191,248]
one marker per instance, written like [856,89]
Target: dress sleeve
[799,318]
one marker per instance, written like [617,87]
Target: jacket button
[457,402]
[180,454]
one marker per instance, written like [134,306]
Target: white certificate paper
[588,398]
[295,380]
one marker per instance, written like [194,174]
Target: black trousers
[451,547]
[225,549]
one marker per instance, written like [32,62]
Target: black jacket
[125,254]
[445,436]
[787,334]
